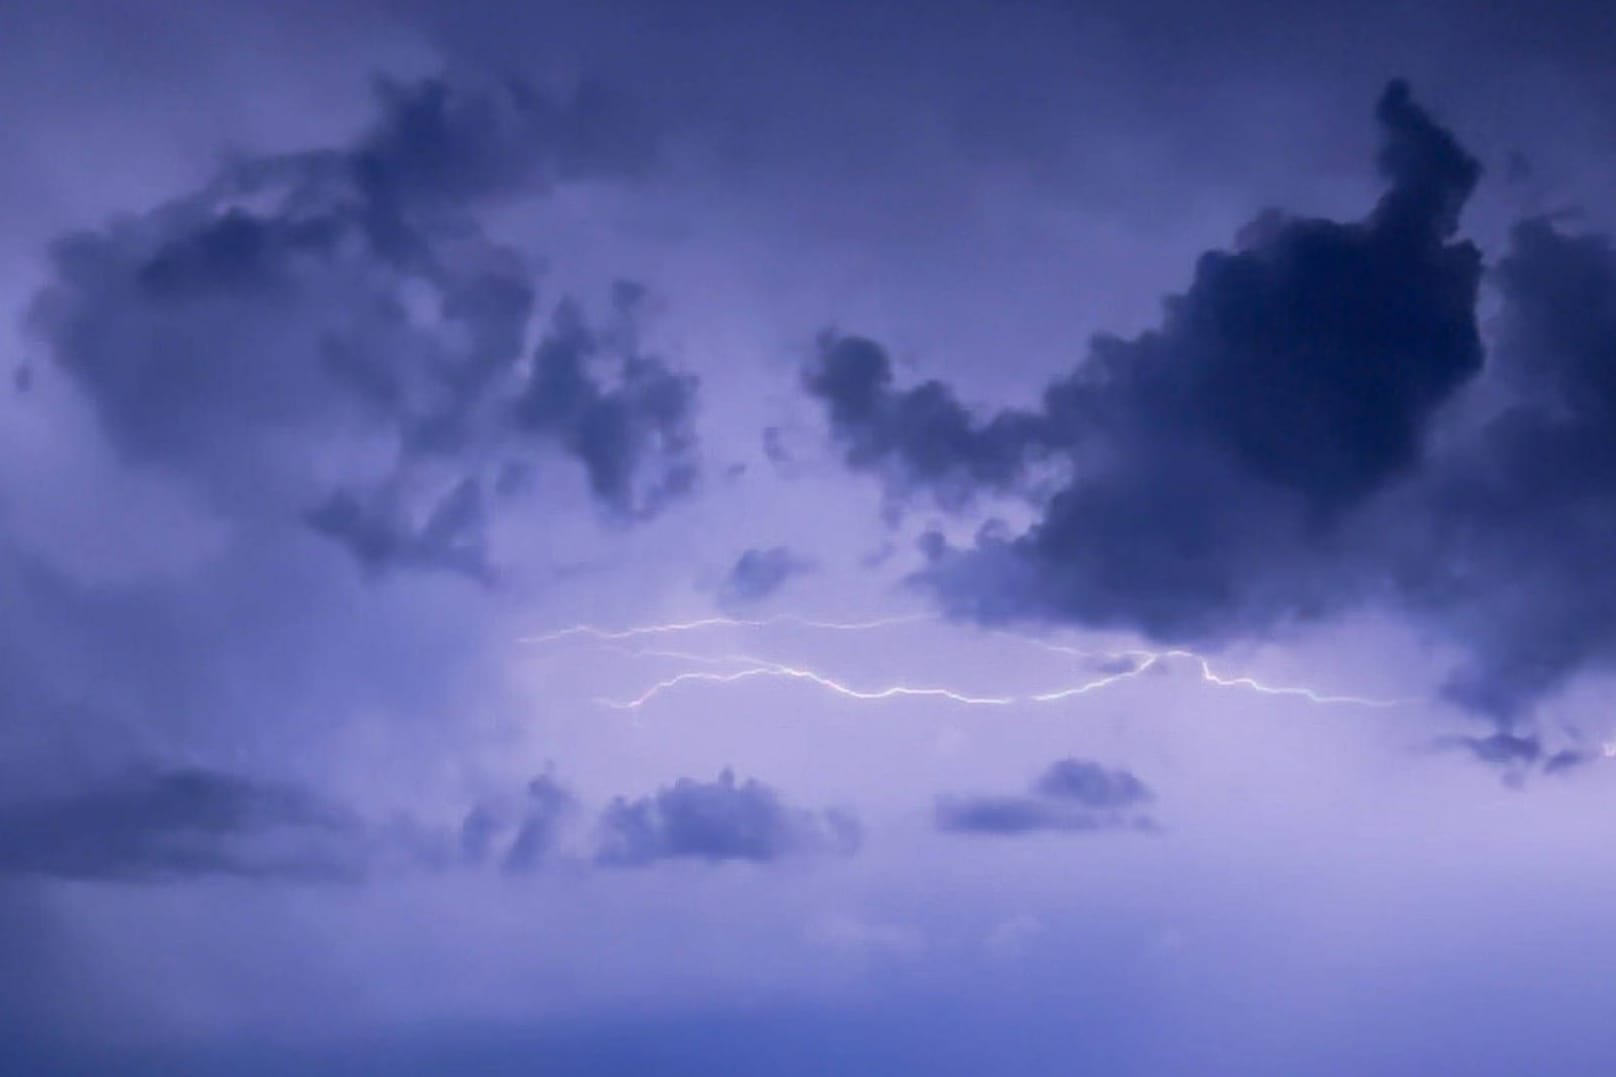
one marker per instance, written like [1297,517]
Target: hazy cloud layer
[179,824]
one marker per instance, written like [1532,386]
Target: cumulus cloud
[717,821]
[1209,461]
[1071,795]
[331,334]
[1267,454]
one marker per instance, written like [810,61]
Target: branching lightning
[743,667]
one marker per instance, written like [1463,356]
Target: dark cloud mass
[1518,518]
[716,821]
[1071,795]
[330,334]
[178,824]
[1266,454]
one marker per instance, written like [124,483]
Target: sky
[968,538]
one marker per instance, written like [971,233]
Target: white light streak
[752,667]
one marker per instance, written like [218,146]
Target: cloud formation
[1071,795]
[1269,453]
[759,573]
[331,335]
[717,821]
[180,824]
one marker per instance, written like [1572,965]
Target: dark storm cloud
[1071,795]
[759,573]
[1266,454]
[716,821]
[342,304]
[1513,558]
[917,437]
[179,824]
[1210,461]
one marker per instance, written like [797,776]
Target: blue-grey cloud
[1071,795]
[303,305]
[717,821]
[1509,557]
[759,573]
[1210,460]
[176,824]
[518,837]
[1266,454]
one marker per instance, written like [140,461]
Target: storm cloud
[332,334]
[1269,454]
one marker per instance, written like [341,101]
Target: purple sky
[806,538]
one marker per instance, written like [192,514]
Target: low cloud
[717,821]
[179,824]
[1071,795]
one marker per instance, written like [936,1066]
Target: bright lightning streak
[1144,661]
[1148,659]
[780,670]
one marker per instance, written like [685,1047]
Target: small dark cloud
[759,573]
[1517,754]
[1092,785]
[178,824]
[1071,795]
[717,821]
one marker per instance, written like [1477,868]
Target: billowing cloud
[1070,795]
[716,821]
[1268,454]
[331,334]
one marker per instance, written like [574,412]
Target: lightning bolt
[1148,659]
[1140,661]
